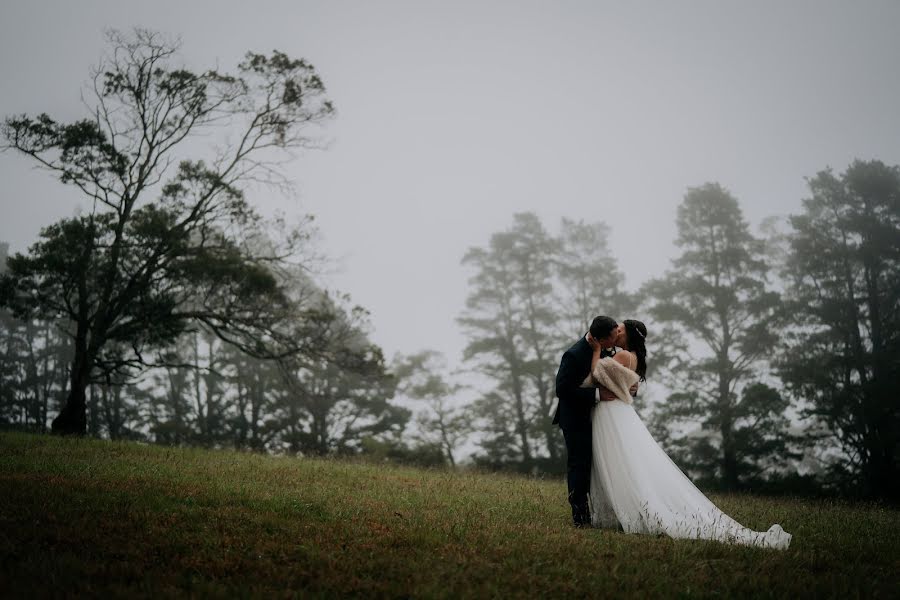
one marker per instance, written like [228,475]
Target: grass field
[91,517]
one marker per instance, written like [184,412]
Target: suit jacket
[575,402]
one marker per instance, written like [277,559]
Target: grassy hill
[101,518]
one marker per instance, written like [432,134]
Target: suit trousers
[578,471]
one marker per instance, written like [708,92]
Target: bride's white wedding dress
[635,485]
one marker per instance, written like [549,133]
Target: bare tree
[167,246]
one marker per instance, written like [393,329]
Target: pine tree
[716,299]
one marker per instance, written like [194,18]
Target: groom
[574,411]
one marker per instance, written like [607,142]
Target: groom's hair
[601,327]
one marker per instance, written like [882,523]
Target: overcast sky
[452,116]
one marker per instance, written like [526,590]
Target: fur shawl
[614,377]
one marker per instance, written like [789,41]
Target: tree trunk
[72,419]
[550,432]
[726,423]
[521,420]
[94,412]
[445,438]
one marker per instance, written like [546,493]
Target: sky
[453,116]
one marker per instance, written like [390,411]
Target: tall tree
[423,377]
[208,387]
[172,415]
[173,421]
[589,276]
[162,248]
[716,296]
[533,255]
[119,406]
[332,406]
[495,321]
[589,283]
[341,395]
[34,355]
[532,292]
[257,393]
[13,349]
[48,351]
[844,276]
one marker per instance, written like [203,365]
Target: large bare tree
[170,242]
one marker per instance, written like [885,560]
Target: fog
[454,116]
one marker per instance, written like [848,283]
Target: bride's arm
[595,357]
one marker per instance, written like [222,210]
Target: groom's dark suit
[574,418]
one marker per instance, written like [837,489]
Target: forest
[172,312]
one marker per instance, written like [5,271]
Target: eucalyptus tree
[494,322]
[843,273]
[163,161]
[444,423]
[173,418]
[590,281]
[34,355]
[47,351]
[13,349]
[332,407]
[118,409]
[533,256]
[716,298]
[340,395]
[208,386]
[170,412]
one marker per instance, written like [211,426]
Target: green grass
[98,518]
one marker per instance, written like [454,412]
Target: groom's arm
[569,379]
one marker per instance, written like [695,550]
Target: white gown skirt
[635,485]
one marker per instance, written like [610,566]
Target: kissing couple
[618,476]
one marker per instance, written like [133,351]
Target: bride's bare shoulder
[624,358]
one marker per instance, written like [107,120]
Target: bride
[634,485]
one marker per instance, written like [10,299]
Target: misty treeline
[170,311]
[778,352]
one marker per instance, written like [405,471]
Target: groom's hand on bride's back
[608,396]
[605,394]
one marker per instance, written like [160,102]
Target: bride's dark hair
[637,335]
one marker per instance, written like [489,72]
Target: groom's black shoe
[581,519]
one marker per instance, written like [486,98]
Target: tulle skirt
[636,486]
